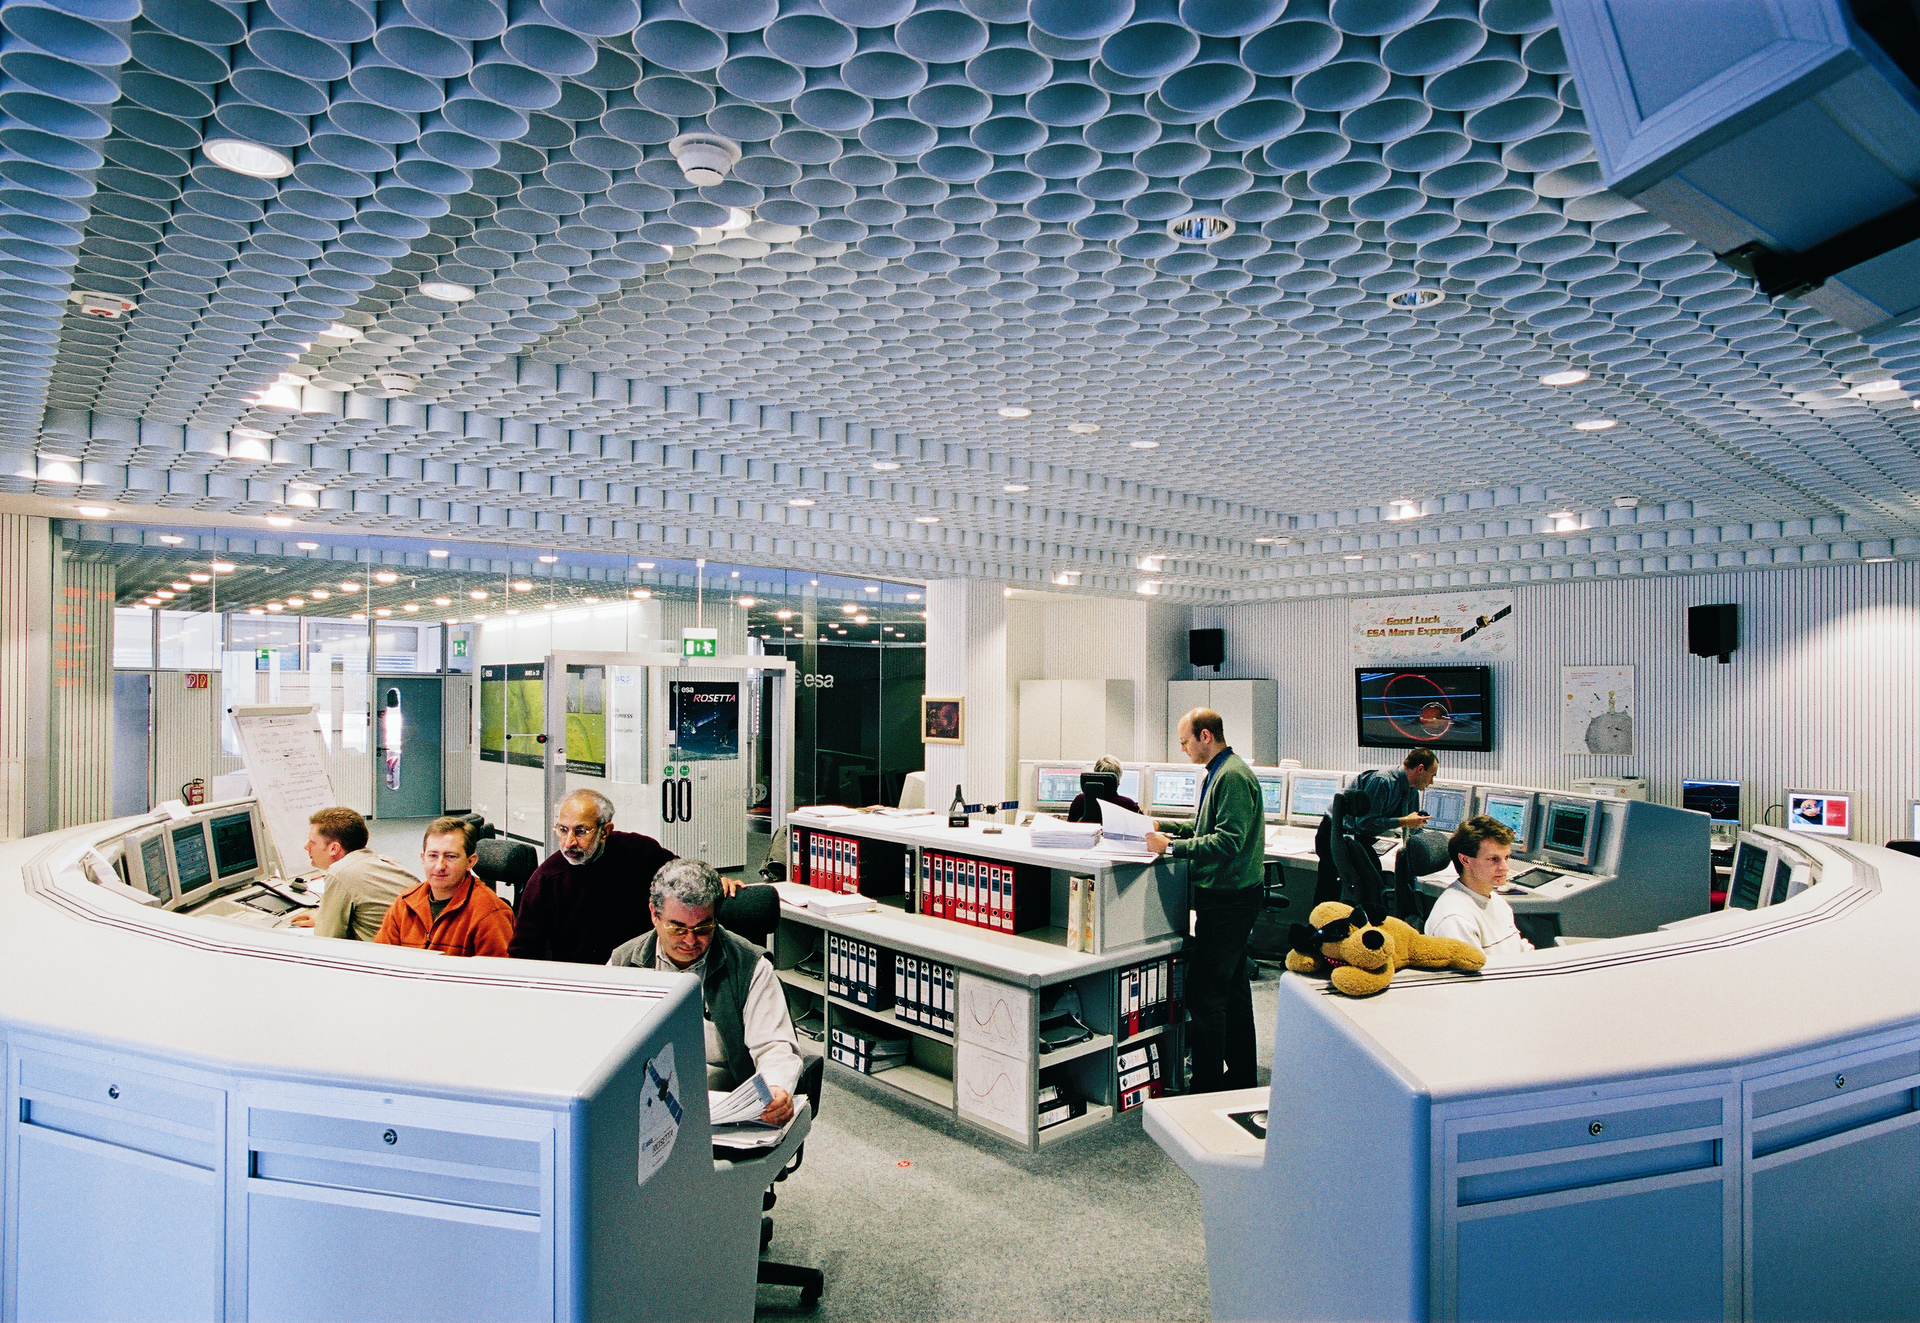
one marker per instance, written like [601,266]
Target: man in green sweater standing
[1225,849]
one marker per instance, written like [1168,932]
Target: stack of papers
[830,811]
[735,1117]
[1123,835]
[833,902]
[902,813]
[1050,833]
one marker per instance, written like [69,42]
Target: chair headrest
[752,912]
[1100,785]
[501,860]
[1425,852]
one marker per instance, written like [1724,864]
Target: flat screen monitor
[1312,797]
[1570,830]
[1130,784]
[1749,877]
[1177,788]
[192,862]
[1782,880]
[1719,800]
[145,854]
[1055,785]
[1446,807]
[236,850]
[1273,793]
[1515,811]
[1820,812]
[1434,707]
[1534,878]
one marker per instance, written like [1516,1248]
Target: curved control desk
[205,1120]
[1716,1121]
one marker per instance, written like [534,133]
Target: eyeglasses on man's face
[674,929]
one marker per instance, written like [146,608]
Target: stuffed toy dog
[1362,957]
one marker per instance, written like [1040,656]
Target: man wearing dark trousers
[1225,849]
[1393,800]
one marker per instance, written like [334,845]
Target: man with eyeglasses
[747,1026]
[590,895]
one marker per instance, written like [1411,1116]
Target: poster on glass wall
[512,703]
[587,720]
[704,720]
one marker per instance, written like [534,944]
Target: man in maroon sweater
[590,895]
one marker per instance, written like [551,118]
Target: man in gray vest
[747,1026]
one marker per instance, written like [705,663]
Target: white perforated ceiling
[940,211]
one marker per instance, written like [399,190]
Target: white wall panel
[967,655]
[1822,693]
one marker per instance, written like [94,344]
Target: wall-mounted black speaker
[1207,647]
[1713,631]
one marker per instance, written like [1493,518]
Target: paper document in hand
[743,1104]
[1120,826]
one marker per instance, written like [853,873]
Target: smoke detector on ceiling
[107,306]
[396,383]
[704,158]
[1626,502]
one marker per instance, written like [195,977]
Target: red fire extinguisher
[194,791]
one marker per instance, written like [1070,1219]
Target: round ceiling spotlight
[549,560]
[800,502]
[1414,300]
[1015,488]
[478,594]
[341,331]
[886,466]
[1595,425]
[1083,429]
[926,519]
[307,546]
[1200,228]
[93,511]
[704,158]
[386,576]
[447,291]
[1565,377]
[1014,411]
[248,158]
[1562,514]
[1143,445]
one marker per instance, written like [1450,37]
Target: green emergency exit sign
[699,643]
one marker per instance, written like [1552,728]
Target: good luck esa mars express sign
[1432,628]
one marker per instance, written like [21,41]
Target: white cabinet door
[1182,697]
[1039,719]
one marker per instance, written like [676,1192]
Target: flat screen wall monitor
[1820,812]
[1273,794]
[1130,783]
[1445,806]
[1056,786]
[1515,811]
[1748,890]
[1434,707]
[191,860]
[1177,788]
[145,854]
[1719,800]
[1311,797]
[1570,831]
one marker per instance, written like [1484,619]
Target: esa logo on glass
[814,680]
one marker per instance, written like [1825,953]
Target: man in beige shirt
[361,885]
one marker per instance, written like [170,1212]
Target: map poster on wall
[587,720]
[512,699]
[1432,627]
[1596,710]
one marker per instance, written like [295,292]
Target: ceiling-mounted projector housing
[704,158]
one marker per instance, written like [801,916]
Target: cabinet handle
[1839,1081]
[1595,1127]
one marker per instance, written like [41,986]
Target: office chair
[502,861]
[753,912]
[482,829]
[1094,787]
[1362,884]
[1423,852]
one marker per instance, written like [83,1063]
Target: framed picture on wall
[942,720]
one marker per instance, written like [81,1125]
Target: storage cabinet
[1076,720]
[1249,709]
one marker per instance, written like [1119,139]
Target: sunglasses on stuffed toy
[1308,941]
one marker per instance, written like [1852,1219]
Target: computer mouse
[297,884]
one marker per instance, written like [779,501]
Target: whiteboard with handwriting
[286,758]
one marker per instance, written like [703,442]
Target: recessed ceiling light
[409,606]
[181,587]
[1015,488]
[151,600]
[447,291]
[1200,229]
[1879,560]
[1143,445]
[1353,558]
[738,218]
[164,595]
[1882,387]
[849,607]
[926,519]
[549,606]
[1594,425]
[643,565]
[1014,411]
[1149,589]
[296,601]
[386,576]
[1625,502]
[862,619]
[783,615]
[222,567]
[1414,300]
[1565,377]
[438,553]
[279,521]
[1264,541]
[307,546]
[453,620]
[913,597]
[872,588]
[319,594]
[523,585]
[1083,429]
[261,611]
[1562,514]
[443,601]
[248,158]
[748,601]
[171,539]
[199,578]
[549,560]
[249,434]
[886,465]
[642,593]
[383,612]
[341,331]
[349,586]
[94,511]
[800,502]
[57,459]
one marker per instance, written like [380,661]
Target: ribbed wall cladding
[83,693]
[1824,692]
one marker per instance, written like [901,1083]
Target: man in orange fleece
[451,912]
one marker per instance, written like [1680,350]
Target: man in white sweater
[1472,910]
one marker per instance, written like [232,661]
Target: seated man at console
[361,885]
[1086,810]
[590,895]
[451,912]
[747,1026]
[1472,909]
[1393,800]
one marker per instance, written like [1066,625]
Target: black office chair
[1423,852]
[1362,883]
[502,861]
[753,912]
[482,829]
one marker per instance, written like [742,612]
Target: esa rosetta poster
[705,719]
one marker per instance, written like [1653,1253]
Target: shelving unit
[988,1072]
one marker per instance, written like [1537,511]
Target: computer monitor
[1445,806]
[1177,788]
[1273,795]
[236,847]
[1130,783]
[1719,800]
[145,854]
[1748,889]
[1055,787]
[1820,812]
[1515,810]
[1913,820]
[1570,831]
[1782,880]
[1311,795]
[191,860]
